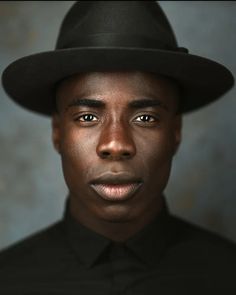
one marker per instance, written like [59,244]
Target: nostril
[105,154]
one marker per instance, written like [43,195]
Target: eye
[146,119]
[86,118]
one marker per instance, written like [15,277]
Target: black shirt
[169,256]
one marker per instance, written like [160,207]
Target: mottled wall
[202,187]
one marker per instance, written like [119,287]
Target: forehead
[133,84]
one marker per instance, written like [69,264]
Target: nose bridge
[116,140]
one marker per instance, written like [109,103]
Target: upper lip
[116,178]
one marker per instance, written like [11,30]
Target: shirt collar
[86,244]
[148,244]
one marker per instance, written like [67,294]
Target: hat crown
[115,36]
[116,23]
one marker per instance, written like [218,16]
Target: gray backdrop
[202,187]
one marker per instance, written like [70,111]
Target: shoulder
[35,262]
[192,235]
[195,250]
[34,248]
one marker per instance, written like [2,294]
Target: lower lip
[116,192]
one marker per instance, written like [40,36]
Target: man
[116,88]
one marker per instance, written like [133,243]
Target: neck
[117,229]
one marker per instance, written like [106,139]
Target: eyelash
[142,118]
[86,115]
[153,119]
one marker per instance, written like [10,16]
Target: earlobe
[56,132]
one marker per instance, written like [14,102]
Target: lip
[116,186]
[116,192]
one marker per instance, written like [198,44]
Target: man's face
[116,133]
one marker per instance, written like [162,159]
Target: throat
[115,221]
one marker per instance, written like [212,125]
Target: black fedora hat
[115,36]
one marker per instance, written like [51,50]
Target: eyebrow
[135,104]
[145,103]
[86,102]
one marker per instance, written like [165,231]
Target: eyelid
[154,119]
[80,115]
[154,116]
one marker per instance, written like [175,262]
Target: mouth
[116,187]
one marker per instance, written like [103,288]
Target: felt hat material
[115,36]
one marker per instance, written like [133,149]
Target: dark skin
[124,125]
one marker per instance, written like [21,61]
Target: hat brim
[31,80]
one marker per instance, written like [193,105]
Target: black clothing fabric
[169,256]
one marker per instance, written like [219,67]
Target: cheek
[156,148]
[156,157]
[77,152]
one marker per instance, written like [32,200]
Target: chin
[116,214]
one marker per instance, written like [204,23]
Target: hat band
[118,41]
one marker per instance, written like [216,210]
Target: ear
[177,131]
[56,131]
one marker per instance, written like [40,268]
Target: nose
[116,143]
